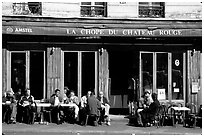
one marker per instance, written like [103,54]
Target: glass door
[80,69]
[37,74]
[146,72]
[71,71]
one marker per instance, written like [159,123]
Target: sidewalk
[118,127]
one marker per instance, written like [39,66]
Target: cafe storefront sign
[101,32]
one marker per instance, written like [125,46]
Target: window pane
[85,3]
[162,73]
[177,76]
[18,71]
[147,71]
[85,11]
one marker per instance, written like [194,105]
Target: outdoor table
[182,109]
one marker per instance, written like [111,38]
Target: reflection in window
[93,9]
[177,76]
[151,9]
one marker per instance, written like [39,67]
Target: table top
[49,104]
[181,108]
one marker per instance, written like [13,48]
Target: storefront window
[18,71]
[162,75]
[177,76]
[147,72]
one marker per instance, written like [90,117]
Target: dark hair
[56,90]
[154,96]
[66,88]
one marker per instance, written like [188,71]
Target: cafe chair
[168,116]
[192,117]
[94,117]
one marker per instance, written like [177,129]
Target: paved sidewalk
[118,127]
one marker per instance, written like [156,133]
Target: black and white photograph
[101,67]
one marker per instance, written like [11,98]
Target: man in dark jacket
[93,106]
[148,114]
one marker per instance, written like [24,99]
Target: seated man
[74,101]
[55,101]
[27,106]
[83,108]
[93,106]
[10,107]
[148,113]
[105,106]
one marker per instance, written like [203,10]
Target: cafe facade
[103,54]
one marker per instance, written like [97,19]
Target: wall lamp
[192,52]
[52,50]
[152,28]
[101,50]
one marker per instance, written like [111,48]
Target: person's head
[72,93]
[57,92]
[89,93]
[100,94]
[66,89]
[19,91]
[147,94]
[27,92]
[9,93]
[154,96]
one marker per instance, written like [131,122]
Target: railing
[151,11]
[27,8]
[93,11]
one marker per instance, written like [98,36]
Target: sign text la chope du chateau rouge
[124,32]
[111,32]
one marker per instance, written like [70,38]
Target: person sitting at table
[83,108]
[56,109]
[105,105]
[64,96]
[148,113]
[18,96]
[93,107]
[74,101]
[10,107]
[144,102]
[27,106]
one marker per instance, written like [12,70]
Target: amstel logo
[9,29]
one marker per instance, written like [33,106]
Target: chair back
[192,107]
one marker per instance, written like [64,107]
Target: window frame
[151,8]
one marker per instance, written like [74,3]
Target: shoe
[108,124]
[140,125]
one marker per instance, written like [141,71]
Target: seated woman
[27,106]
[148,113]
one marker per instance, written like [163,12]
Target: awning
[78,27]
